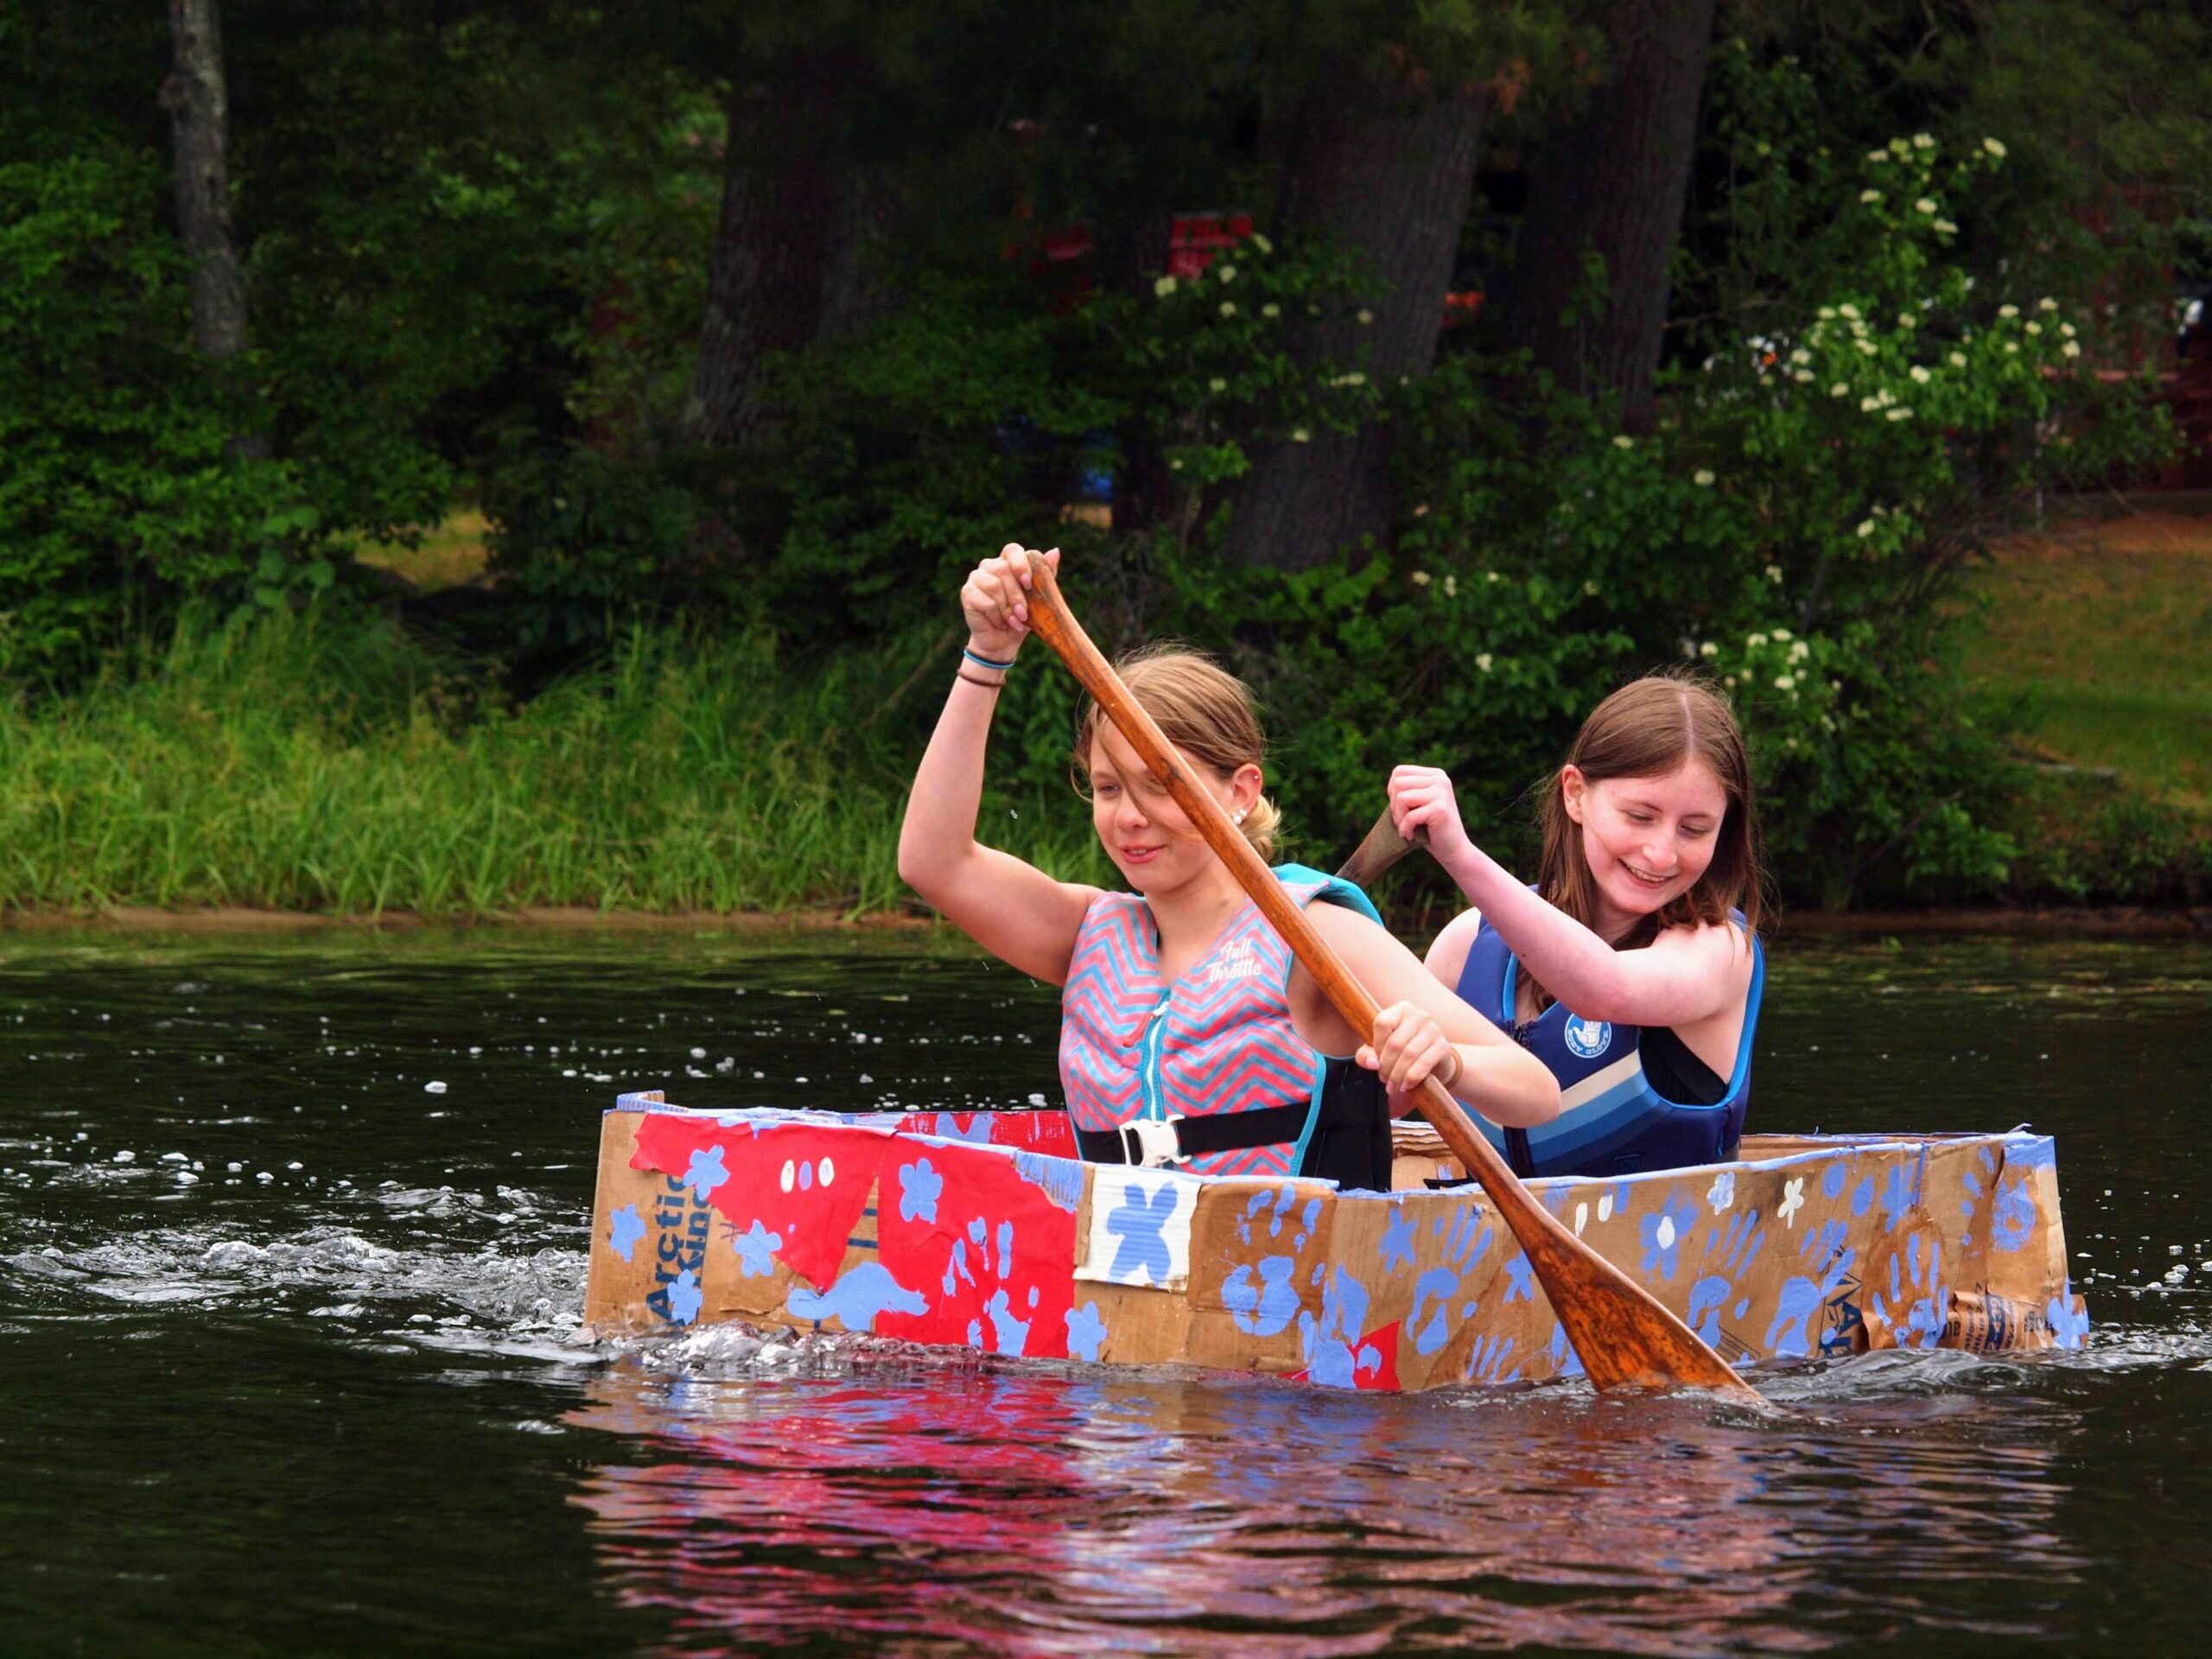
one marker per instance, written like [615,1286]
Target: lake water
[287,1362]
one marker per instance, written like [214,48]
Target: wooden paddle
[1624,1337]
[1381,848]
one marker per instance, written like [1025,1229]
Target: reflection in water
[950,1509]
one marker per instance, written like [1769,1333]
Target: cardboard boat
[983,1231]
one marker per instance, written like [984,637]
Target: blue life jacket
[1611,1121]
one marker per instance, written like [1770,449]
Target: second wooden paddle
[1624,1337]
[1380,848]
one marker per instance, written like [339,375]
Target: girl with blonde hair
[1188,1034]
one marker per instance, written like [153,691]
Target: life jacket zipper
[1148,1062]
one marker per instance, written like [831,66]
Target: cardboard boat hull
[982,1230]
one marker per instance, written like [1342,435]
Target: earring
[1238,816]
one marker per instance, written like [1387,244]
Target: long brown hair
[1203,710]
[1647,729]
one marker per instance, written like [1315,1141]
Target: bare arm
[1422,1027]
[1447,954]
[1012,909]
[1687,975]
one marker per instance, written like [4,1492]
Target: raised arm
[1423,1027]
[1687,976]
[1012,909]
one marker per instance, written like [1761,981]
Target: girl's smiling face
[1148,837]
[1647,840]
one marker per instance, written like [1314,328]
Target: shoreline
[2089,921]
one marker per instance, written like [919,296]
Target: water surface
[291,1255]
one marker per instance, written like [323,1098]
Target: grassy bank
[304,766]
[2090,650]
[301,768]
[2097,648]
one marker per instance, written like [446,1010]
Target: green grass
[2098,647]
[304,767]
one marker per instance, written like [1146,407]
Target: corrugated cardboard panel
[1130,1324]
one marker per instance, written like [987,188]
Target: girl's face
[1647,840]
[1148,837]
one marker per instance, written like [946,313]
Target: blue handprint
[1910,1299]
[1486,1361]
[1468,1236]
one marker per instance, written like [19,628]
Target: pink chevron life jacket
[1218,1039]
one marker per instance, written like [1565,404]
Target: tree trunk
[1612,183]
[1384,163]
[790,260]
[197,102]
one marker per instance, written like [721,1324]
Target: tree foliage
[478,240]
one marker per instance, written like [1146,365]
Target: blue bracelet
[984,662]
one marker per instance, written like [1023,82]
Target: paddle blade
[1382,847]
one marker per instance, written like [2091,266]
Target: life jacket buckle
[1152,1142]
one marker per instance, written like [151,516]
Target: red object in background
[1197,237]
[2185,377]
[1193,243]
[2188,391]
[1063,261]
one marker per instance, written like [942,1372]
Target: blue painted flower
[1663,1234]
[1722,1193]
[624,1229]
[919,1188]
[1140,1222]
[1086,1332]
[684,1298]
[756,1251]
[706,1173]
[2069,1324]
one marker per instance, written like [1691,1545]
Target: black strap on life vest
[1196,1136]
[1518,1155]
[1350,1143]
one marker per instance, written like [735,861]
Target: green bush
[1790,525]
[120,490]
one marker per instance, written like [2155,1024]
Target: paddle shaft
[1624,1336]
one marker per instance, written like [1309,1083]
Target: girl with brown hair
[1188,1034]
[1632,967]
